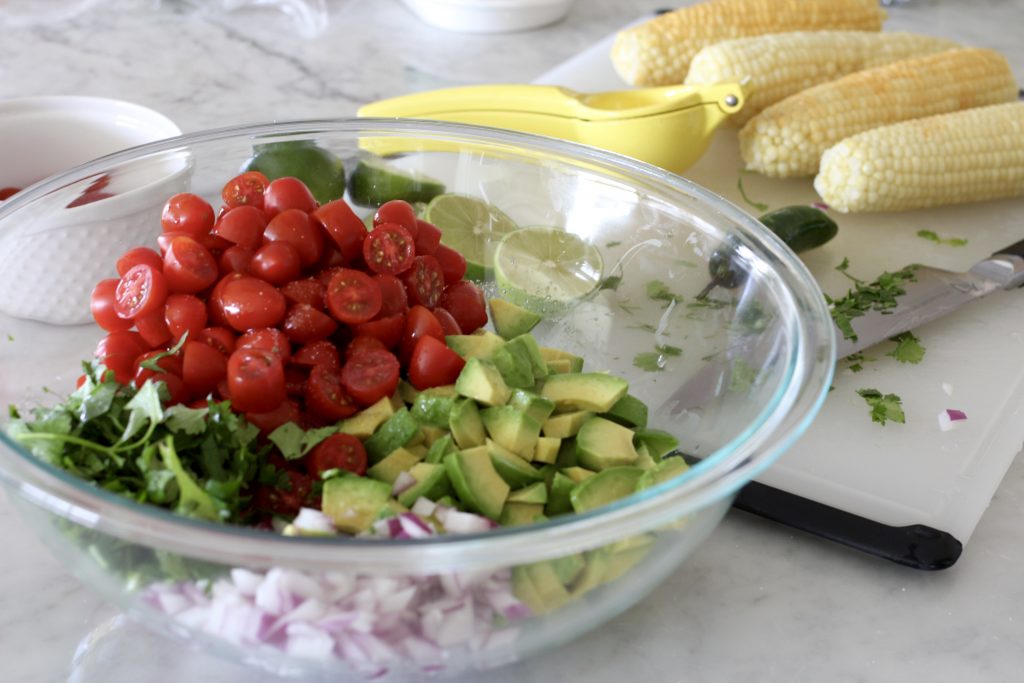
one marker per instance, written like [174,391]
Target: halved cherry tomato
[176,390]
[185,313]
[220,338]
[433,364]
[387,330]
[284,501]
[424,281]
[188,213]
[276,262]
[171,364]
[397,211]
[141,291]
[317,352]
[345,228]
[304,324]
[307,291]
[448,322]
[362,344]
[268,339]
[336,452]
[8,192]
[153,328]
[353,296]
[215,302]
[428,238]
[389,248]
[138,255]
[189,267]
[326,396]
[235,259]
[453,264]
[267,422]
[101,304]
[213,244]
[394,300]
[287,193]
[202,367]
[465,301]
[371,375]
[255,380]
[249,302]
[297,229]
[245,190]
[118,351]
[419,323]
[242,225]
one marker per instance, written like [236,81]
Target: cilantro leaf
[880,295]
[933,236]
[760,206]
[144,408]
[294,442]
[153,362]
[611,282]
[668,350]
[884,407]
[908,348]
[742,377]
[193,501]
[181,418]
[659,291]
[649,361]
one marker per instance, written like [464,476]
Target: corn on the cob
[787,138]
[782,64]
[965,156]
[658,52]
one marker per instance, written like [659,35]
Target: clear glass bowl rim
[720,474]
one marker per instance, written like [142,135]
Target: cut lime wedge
[546,270]
[472,227]
[374,182]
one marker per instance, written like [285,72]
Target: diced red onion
[308,642]
[424,507]
[313,521]
[950,418]
[403,482]
[414,526]
[458,522]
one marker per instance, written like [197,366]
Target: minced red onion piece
[403,482]
[950,418]
[821,205]
[313,521]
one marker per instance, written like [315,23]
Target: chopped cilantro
[659,291]
[879,295]
[647,327]
[294,442]
[611,282]
[908,348]
[10,337]
[628,308]
[884,407]
[649,361]
[668,350]
[613,243]
[932,236]
[760,206]
[855,361]
[153,362]
[742,376]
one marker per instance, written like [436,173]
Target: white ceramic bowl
[49,264]
[489,16]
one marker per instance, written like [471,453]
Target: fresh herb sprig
[879,295]
[884,407]
[933,236]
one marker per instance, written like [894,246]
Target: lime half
[546,270]
[470,226]
[374,182]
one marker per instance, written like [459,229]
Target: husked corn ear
[787,138]
[966,156]
[782,64]
[658,52]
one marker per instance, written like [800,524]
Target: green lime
[374,182]
[321,170]
[546,270]
[472,227]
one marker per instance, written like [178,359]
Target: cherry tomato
[188,213]
[387,330]
[243,225]
[141,291]
[287,193]
[249,302]
[202,367]
[371,375]
[295,379]
[255,380]
[138,255]
[267,339]
[185,313]
[336,452]
[389,248]
[245,190]
[424,282]
[465,302]
[428,238]
[215,302]
[176,390]
[397,211]
[153,328]
[362,344]
[213,244]
[235,259]
[453,264]
[420,323]
[394,300]
[171,364]
[308,291]
[326,396]
[304,324]
[118,351]
[8,192]
[220,338]
[189,267]
[276,262]
[267,422]
[297,229]
[344,227]
[433,364]
[353,296]
[101,304]
[448,322]
[317,352]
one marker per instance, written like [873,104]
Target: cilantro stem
[67,438]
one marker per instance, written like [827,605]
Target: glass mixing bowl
[735,377]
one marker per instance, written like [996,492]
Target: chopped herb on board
[908,348]
[611,282]
[879,295]
[659,291]
[884,407]
[760,206]
[932,236]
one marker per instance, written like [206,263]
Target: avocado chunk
[397,431]
[481,381]
[365,422]
[514,365]
[628,411]
[520,514]
[546,450]
[431,434]
[407,392]
[353,503]
[643,458]
[549,587]
[577,473]
[659,443]
[474,345]
[568,568]
[536,492]
[431,482]
[573,363]
[559,366]
[559,491]
[466,426]
[476,482]
[625,554]
[511,320]
[524,590]
[566,454]
[604,487]
[667,469]
[601,444]
[594,391]
[513,469]
[526,345]
[394,463]
[535,406]
[439,449]
[564,425]
[594,571]
[433,407]
[512,428]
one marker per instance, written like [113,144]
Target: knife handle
[1012,250]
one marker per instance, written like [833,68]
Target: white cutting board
[897,474]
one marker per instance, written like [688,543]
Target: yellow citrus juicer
[669,126]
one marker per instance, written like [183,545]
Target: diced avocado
[643,458]
[511,320]
[559,491]
[432,408]
[354,503]
[396,398]
[658,442]
[593,572]
[585,390]
[520,514]
[568,568]
[513,469]
[549,355]
[625,555]
[564,425]
[465,424]
[417,439]
[431,482]
[524,590]
[601,444]
[535,406]
[604,487]
[481,381]
[546,450]
[407,392]
[474,345]
[514,366]
[394,463]
[476,482]
[628,411]
[549,586]
[397,431]
[559,366]
[578,474]
[669,468]
[512,428]
[431,434]
[527,345]
[439,449]
[536,492]
[365,422]
[567,454]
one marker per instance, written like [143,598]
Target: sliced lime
[546,270]
[470,226]
[374,182]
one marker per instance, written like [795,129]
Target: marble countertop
[756,602]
